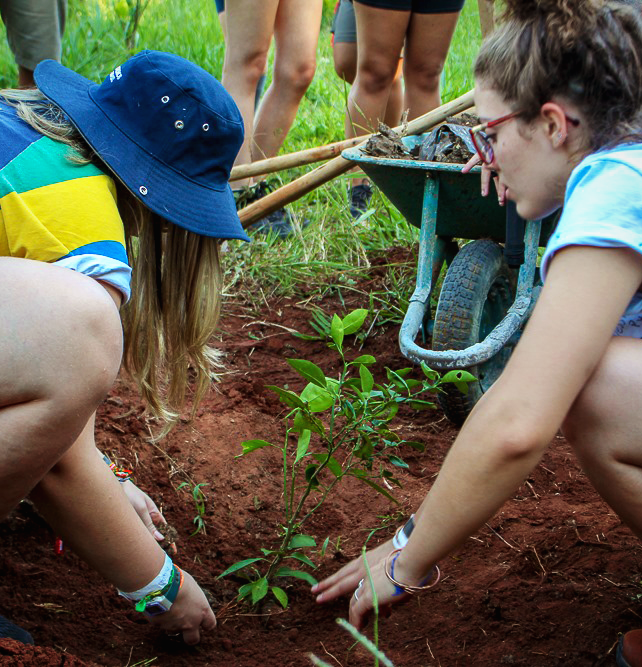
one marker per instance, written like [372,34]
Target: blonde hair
[588,52]
[176,283]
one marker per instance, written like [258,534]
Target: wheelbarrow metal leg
[497,338]
[429,244]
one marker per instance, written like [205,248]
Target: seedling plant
[199,498]
[337,427]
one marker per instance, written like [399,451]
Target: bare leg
[296,35]
[486,16]
[25,78]
[604,428]
[394,108]
[427,43]
[249,28]
[380,38]
[60,351]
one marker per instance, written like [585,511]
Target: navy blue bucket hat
[167,129]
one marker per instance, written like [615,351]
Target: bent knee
[296,77]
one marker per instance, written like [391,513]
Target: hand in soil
[151,516]
[361,608]
[346,580]
[190,615]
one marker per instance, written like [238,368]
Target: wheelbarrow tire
[477,291]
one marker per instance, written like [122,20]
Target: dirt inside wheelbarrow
[387,143]
[550,581]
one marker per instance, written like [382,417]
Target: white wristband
[158,583]
[400,539]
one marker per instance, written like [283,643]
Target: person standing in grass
[249,29]
[424,30]
[95,179]
[34,32]
[559,95]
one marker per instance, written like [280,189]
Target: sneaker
[629,650]
[360,196]
[9,630]
[279,222]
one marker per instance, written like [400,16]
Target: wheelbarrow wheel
[477,292]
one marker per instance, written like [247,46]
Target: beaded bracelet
[401,588]
[122,474]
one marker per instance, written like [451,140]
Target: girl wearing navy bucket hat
[113,198]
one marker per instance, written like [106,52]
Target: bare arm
[82,500]
[586,292]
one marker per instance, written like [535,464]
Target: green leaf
[396,461]
[402,372]
[336,331]
[239,566]
[280,595]
[365,359]
[310,475]
[419,404]
[366,450]
[302,541]
[433,376]
[259,589]
[245,590]
[367,381]
[287,397]
[317,398]
[311,372]
[324,546]
[253,445]
[396,379]
[301,422]
[302,445]
[460,379]
[419,446]
[377,488]
[289,572]
[304,559]
[353,321]
[331,463]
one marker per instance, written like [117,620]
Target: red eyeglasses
[482,141]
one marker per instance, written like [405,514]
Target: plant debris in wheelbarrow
[448,142]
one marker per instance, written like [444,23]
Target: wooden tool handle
[337,166]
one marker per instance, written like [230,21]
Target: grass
[331,249]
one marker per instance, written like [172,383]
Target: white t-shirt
[603,208]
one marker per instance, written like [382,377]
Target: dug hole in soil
[551,580]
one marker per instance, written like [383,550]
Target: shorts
[344,23]
[417,6]
[220,6]
[34,29]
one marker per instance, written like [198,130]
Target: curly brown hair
[588,52]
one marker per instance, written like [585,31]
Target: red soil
[551,580]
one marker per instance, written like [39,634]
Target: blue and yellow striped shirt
[54,210]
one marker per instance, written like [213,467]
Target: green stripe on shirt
[43,163]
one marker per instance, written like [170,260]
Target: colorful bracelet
[404,588]
[122,474]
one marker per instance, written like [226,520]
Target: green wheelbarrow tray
[446,204]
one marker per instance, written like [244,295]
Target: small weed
[196,491]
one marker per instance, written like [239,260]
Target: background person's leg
[427,44]
[34,32]
[250,26]
[486,16]
[296,36]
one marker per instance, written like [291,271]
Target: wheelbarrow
[486,297]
